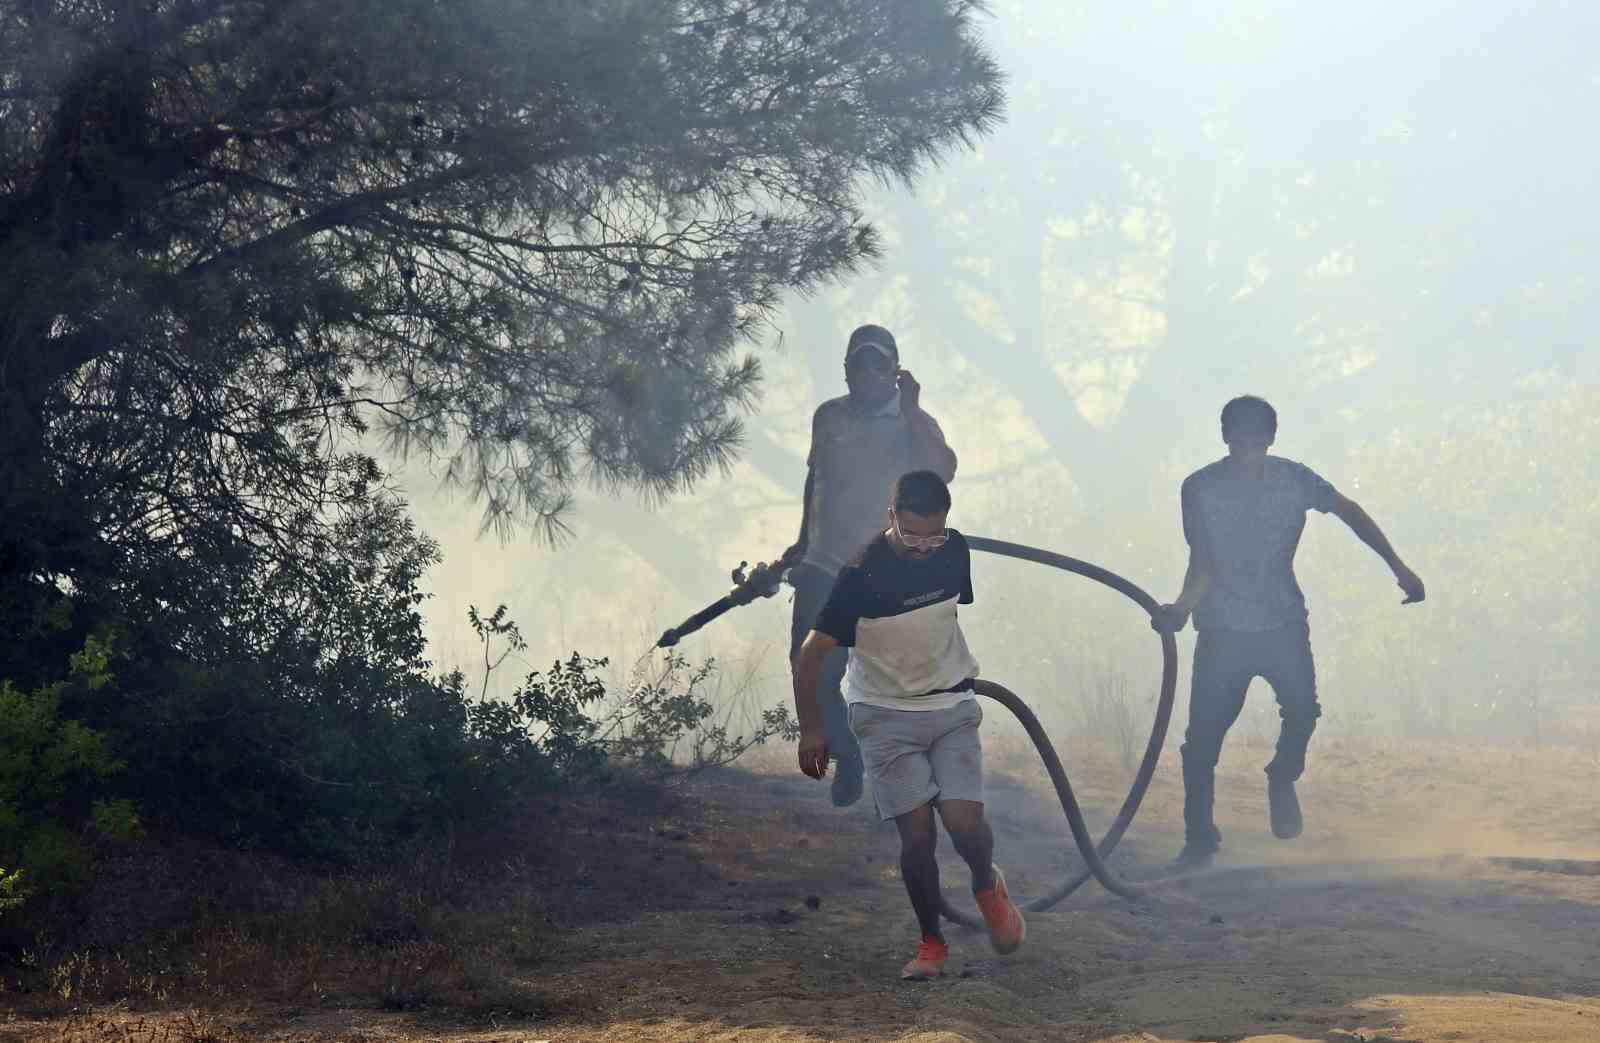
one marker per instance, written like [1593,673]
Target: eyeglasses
[919,542]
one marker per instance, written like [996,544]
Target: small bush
[53,775]
[664,726]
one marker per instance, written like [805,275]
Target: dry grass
[650,914]
[461,930]
[186,1027]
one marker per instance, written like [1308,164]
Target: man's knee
[962,818]
[1201,751]
[1211,717]
[1299,713]
[1294,680]
[918,835]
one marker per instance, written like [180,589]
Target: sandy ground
[1397,917]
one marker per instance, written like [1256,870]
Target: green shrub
[664,725]
[321,732]
[54,774]
[667,724]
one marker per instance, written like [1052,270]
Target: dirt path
[1265,948]
[1367,929]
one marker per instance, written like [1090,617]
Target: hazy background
[1378,217]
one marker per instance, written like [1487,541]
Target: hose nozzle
[762,581]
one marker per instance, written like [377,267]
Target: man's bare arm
[927,441]
[929,445]
[793,555]
[807,670]
[1367,530]
[1196,578]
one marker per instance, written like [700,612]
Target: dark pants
[1225,662]
[811,589]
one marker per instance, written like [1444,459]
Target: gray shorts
[915,756]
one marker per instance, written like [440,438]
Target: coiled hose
[1093,856]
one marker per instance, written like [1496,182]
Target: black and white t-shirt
[898,618]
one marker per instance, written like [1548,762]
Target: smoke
[1362,215]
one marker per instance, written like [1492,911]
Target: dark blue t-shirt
[1249,529]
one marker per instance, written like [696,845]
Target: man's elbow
[1348,510]
[813,650]
[948,469]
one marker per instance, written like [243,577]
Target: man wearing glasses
[860,444]
[912,705]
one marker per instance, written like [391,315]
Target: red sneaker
[929,961]
[1006,925]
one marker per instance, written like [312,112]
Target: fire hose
[765,580]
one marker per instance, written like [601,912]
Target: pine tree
[532,238]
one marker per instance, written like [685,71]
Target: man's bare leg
[919,838]
[974,840]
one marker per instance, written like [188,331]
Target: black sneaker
[846,788]
[1285,808]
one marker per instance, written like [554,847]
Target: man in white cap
[861,443]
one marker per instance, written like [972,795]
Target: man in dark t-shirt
[908,684]
[1242,518]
